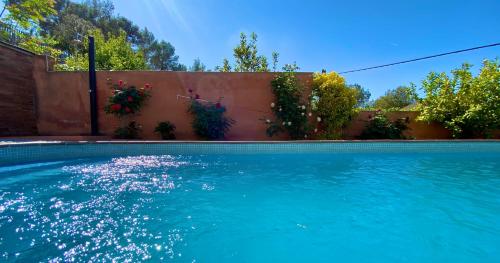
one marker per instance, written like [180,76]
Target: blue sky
[335,35]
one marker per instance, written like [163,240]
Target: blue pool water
[314,207]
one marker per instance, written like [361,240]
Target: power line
[422,58]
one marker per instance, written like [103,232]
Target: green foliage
[380,127]
[247,58]
[115,53]
[362,95]
[468,106]
[198,66]
[166,130]
[290,109]
[26,13]
[131,131]
[226,66]
[162,57]
[397,99]
[126,100]
[333,102]
[73,20]
[209,120]
[41,45]
[21,25]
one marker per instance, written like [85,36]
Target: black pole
[92,89]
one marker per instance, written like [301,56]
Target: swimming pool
[277,202]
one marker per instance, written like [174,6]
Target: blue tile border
[17,153]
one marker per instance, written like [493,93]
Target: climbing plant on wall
[126,101]
[290,108]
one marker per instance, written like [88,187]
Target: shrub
[209,120]
[468,106]
[380,127]
[166,130]
[131,131]
[334,103]
[126,100]
[289,108]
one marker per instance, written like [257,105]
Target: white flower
[310,114]
[315,130]
[268,121]
[284,123]
[272,105]
[318,119]
[289,123]
[303,107]
[280,109]
[305,136]
[303,114]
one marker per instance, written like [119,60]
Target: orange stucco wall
[416,129]
[64,101]
[63,104]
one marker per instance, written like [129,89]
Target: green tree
[247,58]
[398,98]
[362,95]
[26,13]
[162,57]
[468,106]
[114,53]
[72,21]
[198,66]
[226,66]
[334,103]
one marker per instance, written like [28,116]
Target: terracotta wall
[63,107]
[64,100]
[417,129]
[17,91]
[36,101]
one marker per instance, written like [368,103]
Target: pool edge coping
[84,142]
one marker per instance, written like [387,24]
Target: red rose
[197,97]
[116,107]
[217,105]
[130,99]
[127,110]
[120,83]
[147,86]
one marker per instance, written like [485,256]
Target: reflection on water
[226,208]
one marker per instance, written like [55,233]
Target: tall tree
[198,66]
[163,57]
[26,13]
[363,95]
[73,21]
[398,98]
[247,58]
[113,53]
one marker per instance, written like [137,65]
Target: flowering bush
[334,102]
[127,100]
[290,109]
[209,120]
